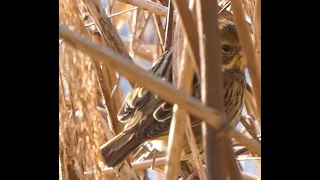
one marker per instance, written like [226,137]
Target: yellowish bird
[148,117]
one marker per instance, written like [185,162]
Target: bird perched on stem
[148,117]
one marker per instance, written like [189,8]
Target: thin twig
[105,27]
[117,7]
[241,151]
[161,10]
[145,51]
[248,158]
[148,5]
[250,104]
[123,12]
[114,15]
[169,28]
[191,34]
[224,7]
[232,165]
[154,84]
[249,128]
[176,134]
[194,150]
[160,30]
[141,34]
[106,79]
[133,27]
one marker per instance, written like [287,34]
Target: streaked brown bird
[148,117]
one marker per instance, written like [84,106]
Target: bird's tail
[117,149]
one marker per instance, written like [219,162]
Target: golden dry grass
[84,81]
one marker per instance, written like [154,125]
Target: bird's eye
[226,48]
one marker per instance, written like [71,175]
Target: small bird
[148,117]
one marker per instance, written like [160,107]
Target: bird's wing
[145,108]
[139,96]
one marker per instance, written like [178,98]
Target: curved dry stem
[247,46]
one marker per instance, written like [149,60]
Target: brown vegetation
[93,56]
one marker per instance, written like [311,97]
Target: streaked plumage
[148,117]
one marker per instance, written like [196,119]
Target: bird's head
[232,57]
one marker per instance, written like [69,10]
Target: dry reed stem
[194,150]
[119,7]
[122,12]
[145,51]
[208,36]
[141,34]
[107,78]
[230,159]
[169,28]
[106,29]
[150,6]
[226,6]
[247,46]
[178,47]
[160,30]
[60,170]
[188,129]
[249,128]
[253,147]
[176,140]
[152,83]
[250,104]
[141,165]
[188,25]
[133,28]
[254,124]
[257,29]
[108,33]
[219,155]
[161,10]
[241,151]
[176,134]
[247,8]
